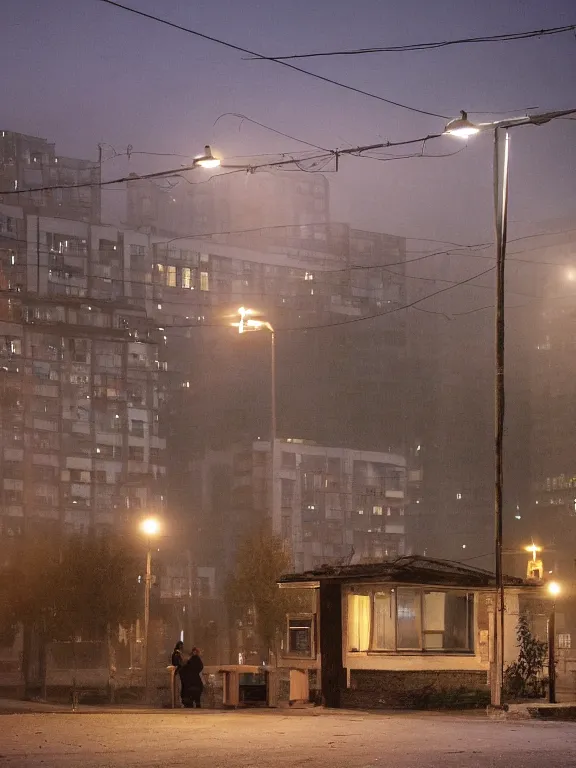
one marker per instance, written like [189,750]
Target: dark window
[300,636]
[288,460]
[135,453]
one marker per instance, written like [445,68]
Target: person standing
[191,676]
[177,661]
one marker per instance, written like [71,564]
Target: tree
[253,591]
[64,588]
[523,678]
[96,586]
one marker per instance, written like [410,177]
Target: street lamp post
[464,128]
[553,590]
[150,527]
[245,324]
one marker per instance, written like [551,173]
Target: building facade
[28,163]
[551,519]
[237,205]
[79,378]
[330,504]
[339,380]
[411,634]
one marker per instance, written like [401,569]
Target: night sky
[79,72]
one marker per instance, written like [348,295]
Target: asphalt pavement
[276,740]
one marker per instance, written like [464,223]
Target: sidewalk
[541,711]
[565,711]
[18,707]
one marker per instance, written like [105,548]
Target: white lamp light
[207,160]
[461,127]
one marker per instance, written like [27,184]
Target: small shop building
[398,634]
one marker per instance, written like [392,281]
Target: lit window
[358,622]
[171,277]
[186,277]
[384,630]
[411,619]
[204,281]
[376,510]
[447,621]
[408,616]
[458,496]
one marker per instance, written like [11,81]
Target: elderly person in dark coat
[191,676]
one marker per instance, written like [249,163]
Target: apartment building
[338,381]
[331,504]
[79,377]
[550,521]
[237,205]
[28,163]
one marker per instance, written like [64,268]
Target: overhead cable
[248,168]
[509,37]
[256,55]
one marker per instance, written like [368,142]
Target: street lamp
[245,324]
[554,590]
[207,160]
[535,565]
[150,527]
[462,128]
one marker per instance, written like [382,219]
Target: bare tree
[253,595]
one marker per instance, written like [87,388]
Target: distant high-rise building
[239,204]
[551,519]
[28,163]
[331,504]
[341,341]
[80,447]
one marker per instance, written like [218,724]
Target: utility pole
[276,524]
[501,221]
[147,585]
[552,655]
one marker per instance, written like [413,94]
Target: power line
[508,37]
[214,272]
[319,274]
[18,296]
[266,127]
[355,319]
[326,155]
[266,58]
[396,309]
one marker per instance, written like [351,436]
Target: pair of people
[190,673]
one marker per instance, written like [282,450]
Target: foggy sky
[79,72]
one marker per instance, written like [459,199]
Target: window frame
[374,588]
[311,617]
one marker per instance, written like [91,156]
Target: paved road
[245,739]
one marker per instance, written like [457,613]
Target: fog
[405,379]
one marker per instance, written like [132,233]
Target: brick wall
[373,689]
